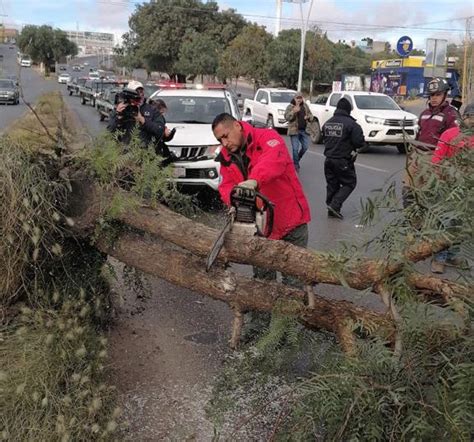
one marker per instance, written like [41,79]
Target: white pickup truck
[268,107]
[381,118]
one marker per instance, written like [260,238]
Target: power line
[297,20]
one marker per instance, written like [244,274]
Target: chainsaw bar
[219,242]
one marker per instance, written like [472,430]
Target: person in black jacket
[342,137]
[160,145]
[135,112]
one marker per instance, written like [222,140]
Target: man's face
[230,135]
[141,91]
[437,98]
[299,100]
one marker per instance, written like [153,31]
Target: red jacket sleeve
[443,148]
[273,160]
[227,184]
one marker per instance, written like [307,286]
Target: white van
[25,62]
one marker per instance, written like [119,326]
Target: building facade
[92,43]
[8,35]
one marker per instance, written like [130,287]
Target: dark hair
[159,103]
[222,118]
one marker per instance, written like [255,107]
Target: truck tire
[401,148]
[270,123]
[316,137]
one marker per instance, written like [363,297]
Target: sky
[342,19]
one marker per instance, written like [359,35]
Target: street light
[304,28]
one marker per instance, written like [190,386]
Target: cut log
[182,268]
[308,265]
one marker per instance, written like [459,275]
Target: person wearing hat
[450,143]
[133,111]
[298,116]
[342,137]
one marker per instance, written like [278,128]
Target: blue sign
[404,45]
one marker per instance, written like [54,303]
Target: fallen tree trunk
[308,265]
[182,268]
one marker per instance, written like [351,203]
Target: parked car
[9,92]
[74,85]
[63,67]
[76,67]
[64,78]
[191,112]
[106,103]
[381,118]
[94,88]
[268,107]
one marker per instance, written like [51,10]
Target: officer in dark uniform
[134,112]
[342,137]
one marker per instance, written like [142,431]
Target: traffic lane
[88,115]
[32,85]
[373,171]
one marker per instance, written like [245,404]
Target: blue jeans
[300,139]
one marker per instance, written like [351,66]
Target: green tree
[349,60]
[45,44]
[246,55]
[197,55]
[158,30]
[319,57]
[283,57]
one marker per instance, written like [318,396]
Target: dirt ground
[165,349]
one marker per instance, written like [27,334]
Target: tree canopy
[160,29]
[45,44]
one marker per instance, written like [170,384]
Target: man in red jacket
[258,159]
[450,143]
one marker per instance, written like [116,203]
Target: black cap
[344,104]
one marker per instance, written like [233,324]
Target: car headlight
[281,112]
[213,150]
[374,120]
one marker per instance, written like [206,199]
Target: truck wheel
[316,136]
[401,148]
[270,123]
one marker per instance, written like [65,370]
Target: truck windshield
[375,102]
[282,97]
[197,110]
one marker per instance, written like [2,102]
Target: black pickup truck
[94,89]
[105,104]
[74,85]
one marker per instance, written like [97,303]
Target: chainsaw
[250,213]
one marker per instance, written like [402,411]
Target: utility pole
[465,62]
[279,4]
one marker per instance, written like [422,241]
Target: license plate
[179,172]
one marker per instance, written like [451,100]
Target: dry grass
[51,126]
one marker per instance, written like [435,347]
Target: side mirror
[264,101]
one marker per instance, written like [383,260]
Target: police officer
[135,112]
[342,137]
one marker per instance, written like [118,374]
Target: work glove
[245,189]
[249,184]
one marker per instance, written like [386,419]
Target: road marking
[376,169]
